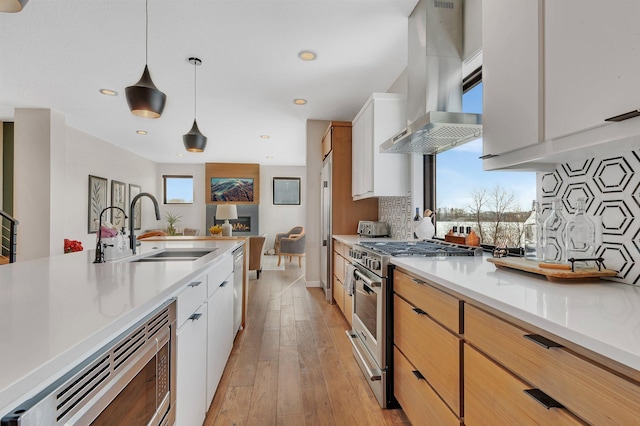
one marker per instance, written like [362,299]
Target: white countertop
[603,317]
[355,239]
[56,311]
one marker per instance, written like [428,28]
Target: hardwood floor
[292,364]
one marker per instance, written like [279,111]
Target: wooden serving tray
[551,274]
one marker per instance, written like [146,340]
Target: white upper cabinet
[592,61]
[375,174]
[511,75]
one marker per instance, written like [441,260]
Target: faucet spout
[132,235]
[99,249]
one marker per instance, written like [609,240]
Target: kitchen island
[56,311]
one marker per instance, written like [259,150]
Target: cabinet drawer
[338,247]
[431,349]
[338,293]
[348,307]
[495,396]
[194,293]
[587,390]
[438,305]
[218,274]
[419,402]
[338,266]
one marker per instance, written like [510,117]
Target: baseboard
[313,283]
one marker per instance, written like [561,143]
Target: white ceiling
[58,53]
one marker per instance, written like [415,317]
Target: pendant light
[194,141]
[12,6]
[144,98]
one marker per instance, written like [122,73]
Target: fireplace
[246,223]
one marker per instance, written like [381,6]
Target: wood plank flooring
[292,364]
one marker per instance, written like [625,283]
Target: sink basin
[176,255]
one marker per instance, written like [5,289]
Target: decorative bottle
[580,234]
[552,235]
[416,222]
[532,230]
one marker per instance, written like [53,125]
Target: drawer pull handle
[418,311]
[224,283]
[195,284]
[418,375]
[195,317]
[417,281]
[542,341]
[543,399]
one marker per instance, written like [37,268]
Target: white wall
[87,155]
[1,162]
[275,219]
[315,130]
[193,215]
[472,28]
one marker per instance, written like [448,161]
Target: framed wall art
[118,199]
[232,183]
[97,201]
[286,191]
[137,213]
[232,190]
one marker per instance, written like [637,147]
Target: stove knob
[375,265]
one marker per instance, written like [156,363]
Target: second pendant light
[194,141]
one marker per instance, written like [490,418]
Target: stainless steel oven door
[369,313]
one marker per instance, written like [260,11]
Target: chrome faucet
[99,248]
[132,234]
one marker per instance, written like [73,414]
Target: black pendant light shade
[12,6]
[194,141]
[144,98]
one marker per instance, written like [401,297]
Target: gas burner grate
[421,248]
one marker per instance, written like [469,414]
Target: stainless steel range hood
[435,83]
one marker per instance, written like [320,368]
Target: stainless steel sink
[176,255]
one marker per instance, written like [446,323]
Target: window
[494,204]
[178,189]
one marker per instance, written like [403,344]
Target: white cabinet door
[592,62]
[375,174]
[511,75]
[191,364]
[219,334]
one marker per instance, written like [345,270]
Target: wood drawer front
[338,266]
[431,349]
[338,247]
[338,293]
[493,396]
[443,308]
[587,390]
[419,402]
[348,307]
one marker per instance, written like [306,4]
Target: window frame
[164,188]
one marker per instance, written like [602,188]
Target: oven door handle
[368,281]
[373,373]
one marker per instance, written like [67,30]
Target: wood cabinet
[588,390]
[512,75]
[429,351]
[341,295]
[591,68]
[375,174]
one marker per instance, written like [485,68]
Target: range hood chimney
[434,104]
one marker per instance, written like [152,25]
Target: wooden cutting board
[526,265]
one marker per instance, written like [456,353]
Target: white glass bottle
[532,230]
[580,235]
[552,235]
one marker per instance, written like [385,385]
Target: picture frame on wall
[232,190]
[118,199]
[97,201]
[137,213]
[286,191]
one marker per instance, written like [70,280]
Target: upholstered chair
[256,253]
[291,244]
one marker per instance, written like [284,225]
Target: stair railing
[9,236]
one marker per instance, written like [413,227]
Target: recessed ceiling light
[269,157]
[108,92]
[307,55]
[299,101]
[141,132]
[265,136]
[180,155]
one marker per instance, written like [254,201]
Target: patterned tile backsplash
[397,212]
[611,187]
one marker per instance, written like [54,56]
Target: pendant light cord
[146,32]
[195,91]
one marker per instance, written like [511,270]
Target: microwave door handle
[360,276]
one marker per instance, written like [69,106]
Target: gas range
[375,255]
